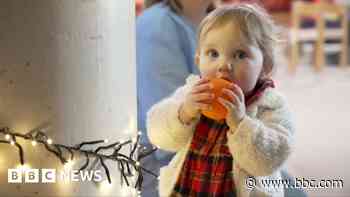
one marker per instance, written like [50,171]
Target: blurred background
[313,73]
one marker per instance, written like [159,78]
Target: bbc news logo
[52,176]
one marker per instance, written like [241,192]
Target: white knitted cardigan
[260,145]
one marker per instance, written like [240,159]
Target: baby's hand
[235,106]
[197,99]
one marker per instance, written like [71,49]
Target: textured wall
[68,63]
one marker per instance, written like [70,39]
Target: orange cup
[218,111]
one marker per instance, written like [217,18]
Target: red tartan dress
[207,169]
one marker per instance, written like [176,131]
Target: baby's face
[225,53]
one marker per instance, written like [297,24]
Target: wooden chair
[320,33]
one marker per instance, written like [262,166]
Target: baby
[218,158]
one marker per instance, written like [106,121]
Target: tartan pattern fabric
[207,169]
[259,90]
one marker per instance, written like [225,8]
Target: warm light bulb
[134,140]
[106,140]
[137,163]
[23,167]
[34,143]
[139,133]
[7,136]
[12,142]
[49,141]
[69,164]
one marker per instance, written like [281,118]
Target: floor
[320,103]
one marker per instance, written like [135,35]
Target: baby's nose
[225,67]
[224,71]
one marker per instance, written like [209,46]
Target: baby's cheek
[246,81]
[207,70]
[207,73]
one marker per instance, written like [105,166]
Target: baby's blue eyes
[213,53]
[239,54]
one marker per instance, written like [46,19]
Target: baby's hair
[253,22]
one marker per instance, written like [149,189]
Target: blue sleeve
[161,63]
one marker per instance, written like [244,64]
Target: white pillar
[69,63]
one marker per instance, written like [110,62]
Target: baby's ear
[196,59]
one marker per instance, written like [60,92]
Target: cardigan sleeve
[261,145]
[165,130]
[160,58]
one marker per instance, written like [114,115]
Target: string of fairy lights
[128,164]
